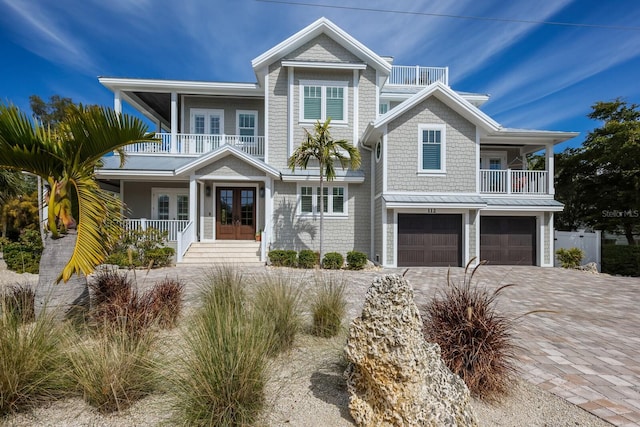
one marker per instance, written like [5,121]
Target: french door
[236,213]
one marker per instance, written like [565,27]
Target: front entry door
[236,213]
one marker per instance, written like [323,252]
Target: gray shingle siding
[402,149]
[229,166]
[322,48]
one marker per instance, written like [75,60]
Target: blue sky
[538,76]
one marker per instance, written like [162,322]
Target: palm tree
[323,148]
[66,159]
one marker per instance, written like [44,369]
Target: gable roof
[321,26]
[223,151]
[445,94]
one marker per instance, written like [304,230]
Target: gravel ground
[307,388]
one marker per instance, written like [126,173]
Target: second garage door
[429,240]
[506,240]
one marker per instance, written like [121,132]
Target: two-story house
[440,182]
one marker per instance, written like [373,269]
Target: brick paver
[588,350]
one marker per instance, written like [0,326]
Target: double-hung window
[321,100]
[432,149]
[335,200]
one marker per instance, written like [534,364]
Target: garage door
[429,240]
[506,240]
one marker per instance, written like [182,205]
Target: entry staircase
[236,252]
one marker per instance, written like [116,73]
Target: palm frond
[25,145]
[98,225]
[92,132]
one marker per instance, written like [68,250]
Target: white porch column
[117,101]
[549,162]
[193,199]
[268,205]
[174,122]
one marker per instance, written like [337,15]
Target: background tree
[609,160]
[66,158]
[322,147]
[50,113]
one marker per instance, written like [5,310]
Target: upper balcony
[188,143]
[402,75]
[518,182]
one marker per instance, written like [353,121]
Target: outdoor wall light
[262,192]
[207,191]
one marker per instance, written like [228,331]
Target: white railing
[513,181]
[191,143]
[172,226]
[417,75]
[185,238]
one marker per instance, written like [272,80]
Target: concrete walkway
[587,351]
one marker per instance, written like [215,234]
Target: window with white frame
[383,108]
[432,148]
[170,204]
[247,123]
[320,100]
[335,200]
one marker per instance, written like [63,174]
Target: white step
[240,252]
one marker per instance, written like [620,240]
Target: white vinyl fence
[590,243]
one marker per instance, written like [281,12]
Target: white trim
[551,239]
[325,65]
[306,178]
[395,239]
[324,85]
[291,95]
[193,200]
[224,151]
[372,209]
[443,149]
[514,209]
[181,102]
[174,122]
[540,251]
[377,97]
[477,223]
[202,197]
[266,118]
[356,91]
[405,205]
[321,26]
[232,178]
[315,207]
[247,112]
[477,162]
[183,86]
[384,160]
[117,101]
[466,230]
[384,233]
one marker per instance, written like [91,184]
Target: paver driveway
[588,352]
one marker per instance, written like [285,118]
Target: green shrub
[277,300]
[157,257]
[283,258]
[570,258]
[621,259]
[356,260]
[113,369]
[224,365]
[332,261]
[19,301]
[23,256]
[141,248]
[475,341]
[32,362]
[308,258]
[328,307]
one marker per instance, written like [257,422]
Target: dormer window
[321,100]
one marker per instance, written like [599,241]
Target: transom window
[431,148]
[335,200]
[321,100]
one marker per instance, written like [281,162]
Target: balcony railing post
[508,181]
[417,75]
[143,224]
